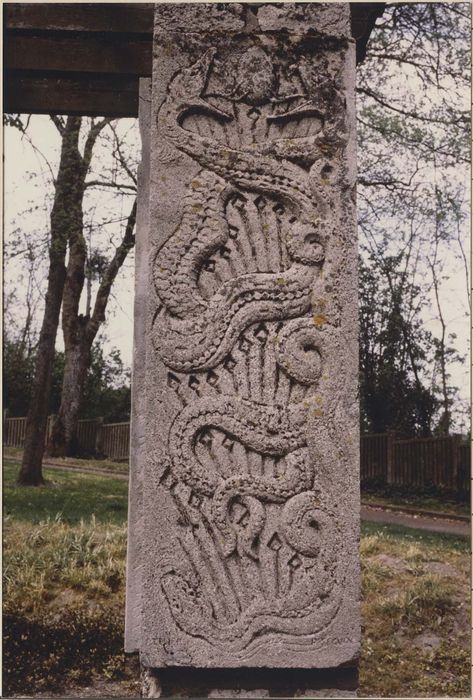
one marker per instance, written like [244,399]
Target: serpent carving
[272,430]
[193,333]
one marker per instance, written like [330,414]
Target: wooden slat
[373,456]
[90,40]
[91,17]
[116,440]
[78,54]
[14,434]
[104,97]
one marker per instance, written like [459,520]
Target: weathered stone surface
[138,397]
[322,18]
[249,543]
[208,17]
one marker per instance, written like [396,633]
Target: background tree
[413,130]
[66,215]
[395,350]
[107,387]
[106,390]
[66,226]
[80,331]
[413,125]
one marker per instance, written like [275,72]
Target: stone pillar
[244,506]
[136,531]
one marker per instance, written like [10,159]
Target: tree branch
[114,185]
[406,113]
[121,158]
[103,293]
[92,136]
[58,123]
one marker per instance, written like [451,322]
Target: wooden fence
[94,437]
[444,462]
[114,441]
[418,462]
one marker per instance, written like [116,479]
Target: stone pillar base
[249,683]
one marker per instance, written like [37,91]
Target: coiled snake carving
[193,333]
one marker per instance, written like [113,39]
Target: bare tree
[67,224]
[66,215]
[413,130]
[80,332]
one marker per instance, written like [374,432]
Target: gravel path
[420,522]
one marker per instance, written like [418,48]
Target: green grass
[74,497]
[64,585]
[63,581]
[106,464]
[423,538]
[403,599]
[440,505]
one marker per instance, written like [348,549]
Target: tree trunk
[79,334]
[63,218]
[63,439]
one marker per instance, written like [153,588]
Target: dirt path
[420,522]
[72,468]
[80,470]
[376,514]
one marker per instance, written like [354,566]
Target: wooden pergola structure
[87,58]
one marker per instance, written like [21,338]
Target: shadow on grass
[74,496]
[53,652]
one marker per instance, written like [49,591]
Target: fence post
[455,442]
[389,457]
[4,426]
[98,437]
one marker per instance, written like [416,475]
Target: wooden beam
[134,18]
[104,53]
[363,19]
[93,97]
[86,58]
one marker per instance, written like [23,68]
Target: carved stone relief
[246,330]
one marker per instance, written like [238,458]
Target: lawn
[71,496]
[415,612]
[16,453]
[64,581]
[421,501]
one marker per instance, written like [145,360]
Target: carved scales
[251,470]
